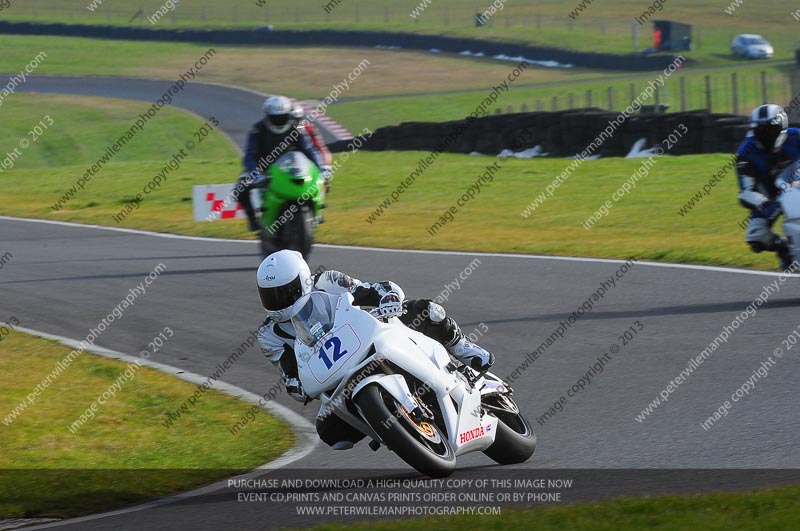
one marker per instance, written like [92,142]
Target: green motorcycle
[291,204]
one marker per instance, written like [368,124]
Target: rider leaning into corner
[284,277]
[766,158]
[278,132]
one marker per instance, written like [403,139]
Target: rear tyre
[420,444]
[515,440]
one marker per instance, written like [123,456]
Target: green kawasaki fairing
[292,202]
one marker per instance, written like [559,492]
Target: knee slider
[757,247]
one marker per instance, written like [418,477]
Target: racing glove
[391,304]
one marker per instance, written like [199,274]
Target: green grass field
[644,224]
[601,26]
[124,454]
[764,510]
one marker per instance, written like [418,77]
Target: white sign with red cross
[212,202]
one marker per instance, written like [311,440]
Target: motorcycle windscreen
[295,165]
[313,316]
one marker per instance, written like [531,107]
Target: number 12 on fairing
[336,344]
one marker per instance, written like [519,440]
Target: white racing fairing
[341,349]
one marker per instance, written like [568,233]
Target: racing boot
[784,253]
[470,354]
[253,225]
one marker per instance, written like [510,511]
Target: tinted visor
[278,120]
[275,299]
[767,134]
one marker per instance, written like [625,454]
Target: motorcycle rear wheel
[515,441]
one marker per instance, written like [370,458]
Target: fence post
[570,101]
[683,93]
[539,106]
[658,100]
[734,94]
[555,103]
[633,92]
[589,98]
[610,98]
[708,93]
[764,87]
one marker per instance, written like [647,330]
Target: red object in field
[657,39]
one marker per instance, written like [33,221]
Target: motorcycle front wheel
[421,444]
[297,234]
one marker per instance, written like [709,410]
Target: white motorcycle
[402,388]
[790,206]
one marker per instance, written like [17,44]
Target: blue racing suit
[760,172]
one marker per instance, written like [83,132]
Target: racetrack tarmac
[63,279]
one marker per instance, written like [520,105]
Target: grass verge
[763,510]
[125,454]
[645,223]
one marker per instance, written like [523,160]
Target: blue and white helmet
[277,111]
[768,124]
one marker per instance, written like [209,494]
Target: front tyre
[515,440]
[420,444]
[297,234]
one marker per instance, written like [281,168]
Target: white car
[751,47]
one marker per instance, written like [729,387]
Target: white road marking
[715,269]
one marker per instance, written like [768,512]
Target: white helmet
[283,277]
[276,114]
[768,124]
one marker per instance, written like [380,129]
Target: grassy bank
[124,454]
